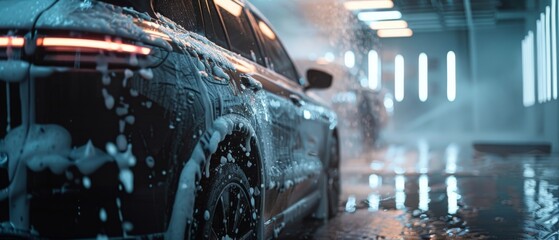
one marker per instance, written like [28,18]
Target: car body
[143,118]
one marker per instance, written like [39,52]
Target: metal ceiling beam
[440,10]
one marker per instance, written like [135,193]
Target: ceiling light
[389,24]
[377,16]
[403,32]
[360,5]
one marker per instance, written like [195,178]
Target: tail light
[11,47]
[86,53]
[8,41]
[73,44]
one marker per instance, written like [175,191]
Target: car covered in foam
[161,119]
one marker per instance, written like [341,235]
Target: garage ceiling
[443,15]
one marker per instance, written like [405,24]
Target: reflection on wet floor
[447,191]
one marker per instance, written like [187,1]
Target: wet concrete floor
[420,191]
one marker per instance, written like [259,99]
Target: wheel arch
[224,130]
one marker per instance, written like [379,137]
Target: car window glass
[183,12]
[214,29]
[238,28]
[277,58]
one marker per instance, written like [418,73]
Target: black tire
[220,214]
[333,176]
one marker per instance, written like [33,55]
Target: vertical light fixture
[399,78]
[548,52]
[525,71]
[349,59]
[532,70]
[374,70]
[528,81]
[543,58]
[451,76]
[554,46]
[539,62]
[423,74]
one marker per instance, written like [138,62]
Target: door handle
[295,99]
[251,83]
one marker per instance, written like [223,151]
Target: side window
[238,28]
[214,29]
[183,12]
[277,58]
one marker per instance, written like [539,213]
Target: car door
[304,165]
[267,96]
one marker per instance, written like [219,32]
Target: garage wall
[488,106]
[544,116]
[437,113]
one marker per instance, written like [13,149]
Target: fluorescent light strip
[548,52]
[543,58]
[88,43]
[349,59]
[423,74]
[388,24]
[374,76]
[399,78]
[525,72]
[554,46]
[377,16]
[532,71]
[528,83]
[451,76]
[539,62]
[389,33]
[361,5]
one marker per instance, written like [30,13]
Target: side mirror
[318,79]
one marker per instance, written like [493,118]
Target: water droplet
[86,182]
[127,226]
[103,215]
[121,142]
[150,161]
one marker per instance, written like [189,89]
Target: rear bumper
[93,168]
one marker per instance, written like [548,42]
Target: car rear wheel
[227,210]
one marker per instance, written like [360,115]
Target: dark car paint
[172,119]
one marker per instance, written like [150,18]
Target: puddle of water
[484,197]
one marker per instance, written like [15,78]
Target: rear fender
[198,164]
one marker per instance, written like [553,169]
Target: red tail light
[92,44]
[87,53]
[8,41]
